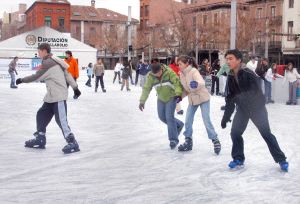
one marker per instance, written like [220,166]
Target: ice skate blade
[237,168]
[34,147]
[70,152]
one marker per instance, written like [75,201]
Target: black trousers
[130,76]
[214,80]
[260,120]
[137,76]
[99,78]
[46,113]
[119,77]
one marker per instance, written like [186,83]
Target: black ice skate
[39,142]
[72,145]
[173,144]
[186,146]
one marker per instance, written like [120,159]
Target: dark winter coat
[261,70]
[243,91]
[202,70]
[145,68]
[215,69]
[125,72]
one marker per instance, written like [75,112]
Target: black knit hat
[155,68]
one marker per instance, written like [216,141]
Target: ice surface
[125,155]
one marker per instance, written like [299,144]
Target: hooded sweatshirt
[54,72]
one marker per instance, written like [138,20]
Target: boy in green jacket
[169,91]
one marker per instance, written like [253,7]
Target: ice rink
[125,155]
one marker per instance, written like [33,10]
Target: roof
[212,4]
[89,13]
[47,1]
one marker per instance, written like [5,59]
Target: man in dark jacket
[244,91]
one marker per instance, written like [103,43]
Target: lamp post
[233,25]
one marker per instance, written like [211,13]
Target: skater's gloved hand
[77,93]
[193,84]
[142,106]
[224,121]
[178,99]
[19,81]
[93,76]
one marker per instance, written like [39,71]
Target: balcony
[298,43]
[274,46]
[275,20]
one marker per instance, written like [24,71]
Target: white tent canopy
[25,45]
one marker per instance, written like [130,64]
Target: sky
[120,6]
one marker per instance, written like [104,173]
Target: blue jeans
[189,119]
[13,79]
[166,115]
[268,90]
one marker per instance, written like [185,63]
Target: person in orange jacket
[73,65]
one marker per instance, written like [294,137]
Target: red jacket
[175,68]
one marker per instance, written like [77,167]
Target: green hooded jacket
[167,87]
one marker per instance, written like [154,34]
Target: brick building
[157,17]
[11,22]
[53,13]
[103,29]
[291,32]
[210,21]
[267,18]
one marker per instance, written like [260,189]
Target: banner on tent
[55,42]
[22,64]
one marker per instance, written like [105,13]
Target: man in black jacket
[244,91]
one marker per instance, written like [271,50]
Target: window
[290,30]
[63,10]
[61,22]
[142,24]
[259,36]
[204,19]
[141,11]
[194,23]
[77,31]
[216,18]
[45,10]
[76,14]
[273,11]
[273,36]
[112,28]
[291,3]
[50,10]
[92,32]
[146,10]
[48,21]
[146,23]
[259,13]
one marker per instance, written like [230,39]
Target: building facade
[291,32]
[11,22]
[54,14]
[103,29]
[157,27]
[210,21]
[267,18]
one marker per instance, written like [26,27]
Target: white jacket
[118,67]
[251,65]
[269,75]
[291,76]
